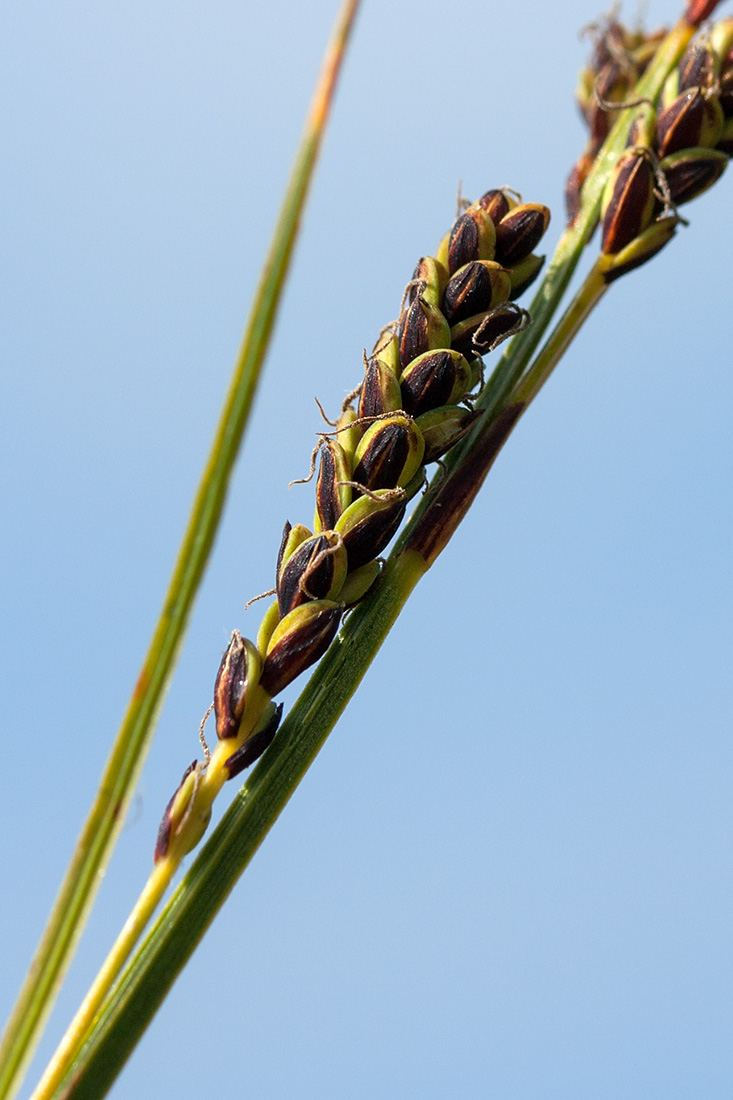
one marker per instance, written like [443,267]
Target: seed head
[428,281]
[496,203]
[698,66]
[181,825]
[291,539]
[651,241]
[478,335]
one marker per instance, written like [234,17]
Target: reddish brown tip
[698,10]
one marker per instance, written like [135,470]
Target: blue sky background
[509,871]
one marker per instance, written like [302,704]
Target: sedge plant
[441,388]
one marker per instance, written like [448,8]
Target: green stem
[125,762]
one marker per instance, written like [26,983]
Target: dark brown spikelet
[421,329]
[252,749]
[641,250]
[520,231]
[692,171]
[475,288]
[328,503]
[689,122]
[310,573]
[412,334]
[331,496]
[298,641]
[165,829]
[476,335]
[428,382]
[381,465]
[496,205]
[366,531]
[471,238]
[380,390]
[697,67]
[230,686]
[629,209]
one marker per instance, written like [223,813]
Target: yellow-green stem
[146,904]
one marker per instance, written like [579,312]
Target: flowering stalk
[411,408]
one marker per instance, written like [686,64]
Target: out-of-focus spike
[690,122]
[692,171]
[628,201]
[651,241]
